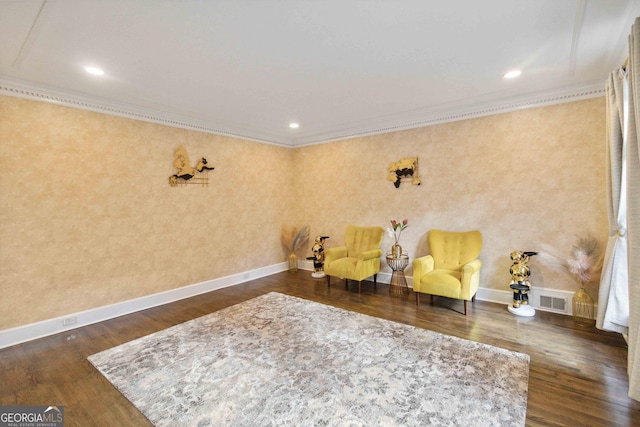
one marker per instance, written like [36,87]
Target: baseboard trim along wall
[21,334]
[32,331]
[557,301]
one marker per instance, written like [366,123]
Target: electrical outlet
[70,321]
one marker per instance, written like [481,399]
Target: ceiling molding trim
[392,123]
[37,93]
[440,117]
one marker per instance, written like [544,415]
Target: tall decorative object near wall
[583,307]
[292,239]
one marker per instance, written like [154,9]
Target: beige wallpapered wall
[522,178]
[87,217]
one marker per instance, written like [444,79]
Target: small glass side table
[398,285]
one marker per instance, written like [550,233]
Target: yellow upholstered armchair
[358,259]
[452,269]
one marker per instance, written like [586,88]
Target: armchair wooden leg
[346,284]
[328,281]
[359,285]
[417,297]
[466,307]
[375,280]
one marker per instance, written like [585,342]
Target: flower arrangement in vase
[394,232]
[293,238]
[585,265]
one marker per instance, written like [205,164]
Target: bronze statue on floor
[318,257]
[520,283]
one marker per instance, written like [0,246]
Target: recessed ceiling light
[94,70]
[512,74]
[294,125]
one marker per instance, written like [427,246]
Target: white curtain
[633,211]
[613,302]
[619,304]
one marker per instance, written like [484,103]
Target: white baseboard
[20,334]
[506,297]
[494,295]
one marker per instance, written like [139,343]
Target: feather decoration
[586,260]
[300,238]
[293,238]
[551,257]
[584,263]
[286,237]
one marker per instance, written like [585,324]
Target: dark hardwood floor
[577,374]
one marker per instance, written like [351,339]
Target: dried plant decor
[292,239]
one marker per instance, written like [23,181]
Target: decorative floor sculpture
[318,257]
[520,284]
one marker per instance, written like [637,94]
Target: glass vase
[293,262]
[396,250]
[582,307]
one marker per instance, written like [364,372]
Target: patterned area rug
[282,360]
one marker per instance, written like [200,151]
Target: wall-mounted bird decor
[185,174]
[404,168]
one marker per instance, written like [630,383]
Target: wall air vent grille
[553,303]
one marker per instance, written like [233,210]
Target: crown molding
[462,110]
[28,90]
[411,119]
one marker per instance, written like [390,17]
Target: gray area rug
[282,360]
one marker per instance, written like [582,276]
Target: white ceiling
[341,68]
